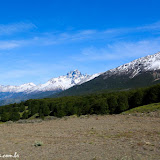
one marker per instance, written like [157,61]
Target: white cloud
[150,27]
[10,44]
[119,50]
[7,29]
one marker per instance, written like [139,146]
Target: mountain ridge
[143,64]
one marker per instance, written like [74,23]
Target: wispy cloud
[150,27]
[56,38]
[10,44]
[119,50]
[83,35]
[154,27]
[7,29]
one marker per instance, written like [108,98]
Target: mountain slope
[138,73]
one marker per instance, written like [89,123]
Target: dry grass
[117,137]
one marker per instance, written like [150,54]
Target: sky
[42,39]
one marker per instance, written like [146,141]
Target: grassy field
[145,109]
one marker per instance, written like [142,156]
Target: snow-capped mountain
[144,64]
[60,83]
[64,82]
[141,72]
[21,88]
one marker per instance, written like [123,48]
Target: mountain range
[55,84]
[10,94]
[141,72]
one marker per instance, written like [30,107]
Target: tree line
[102,103]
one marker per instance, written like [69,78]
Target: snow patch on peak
[89,78]
[28,85]
[144,64]
[74,73]
[155,65]
[21,88]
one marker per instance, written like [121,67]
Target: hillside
[150,109]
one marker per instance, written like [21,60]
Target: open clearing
[117,137]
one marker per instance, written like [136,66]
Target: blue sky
[42,39]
